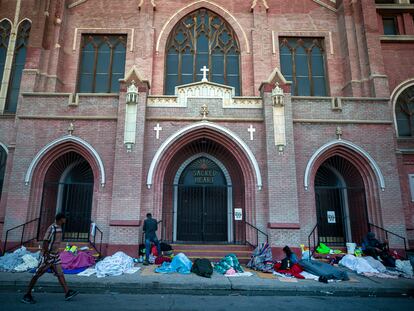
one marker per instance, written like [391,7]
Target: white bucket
[350,248]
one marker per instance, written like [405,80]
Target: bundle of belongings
[20,260]
[114,265]
[228,265]
[369,266]
[261,259]
[166,256]
[286,267]
[74,261]
[324,271]
[180,263]
[202,267]
[325,250]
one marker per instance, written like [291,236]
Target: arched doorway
[202,202]
[340,202]
[68,188]
[203,185]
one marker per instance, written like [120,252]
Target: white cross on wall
[158,128]
[251,130]
[204,70]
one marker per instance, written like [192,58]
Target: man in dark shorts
[50,260]
[150,229]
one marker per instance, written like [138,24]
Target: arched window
[3,159]
[202,38]
[302,61]
[404,112]
[102,63]
[5,28]
[19,61]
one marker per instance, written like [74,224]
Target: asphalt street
[114,301]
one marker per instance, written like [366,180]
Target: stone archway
[371,178]
[40,172]
[204,140]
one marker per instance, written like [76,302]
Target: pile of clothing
[117,264]
[228,265]
[20,260]
[369,266]
[261,259]
[180,263]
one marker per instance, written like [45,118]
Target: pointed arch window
[404,113]
[302,61]
[202,38]
[19,61]
[102,63]
[5,28]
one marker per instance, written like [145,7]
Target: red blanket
[295,270]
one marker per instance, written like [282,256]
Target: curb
[159,288]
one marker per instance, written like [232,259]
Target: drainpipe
[9,59]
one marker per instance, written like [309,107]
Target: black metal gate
[202,213]
[72,199]
[330,214]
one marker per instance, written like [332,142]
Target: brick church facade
[230,121]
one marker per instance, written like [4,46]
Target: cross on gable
[204,70]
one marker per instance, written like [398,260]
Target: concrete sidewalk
[149,282]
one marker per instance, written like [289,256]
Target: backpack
[202,267]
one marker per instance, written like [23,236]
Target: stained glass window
[5,28]
[19,61]
[303,62]
[102,63]
[202,39]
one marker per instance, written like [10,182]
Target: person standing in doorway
[150,229]
[50,260]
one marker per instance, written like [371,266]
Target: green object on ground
[323,249]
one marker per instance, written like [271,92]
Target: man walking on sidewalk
[150,229]
[50,260]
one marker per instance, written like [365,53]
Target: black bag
[141,249]
[202,267]
[286,264]
[165,247]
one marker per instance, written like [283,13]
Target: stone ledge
[125,223]
[277,225]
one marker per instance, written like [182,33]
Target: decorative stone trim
[206,90]
[403,38]
[264,4]
[58,141]
[204,124]
[351,146]
[335,121]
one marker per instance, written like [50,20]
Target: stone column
[128,174]
[281,169]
